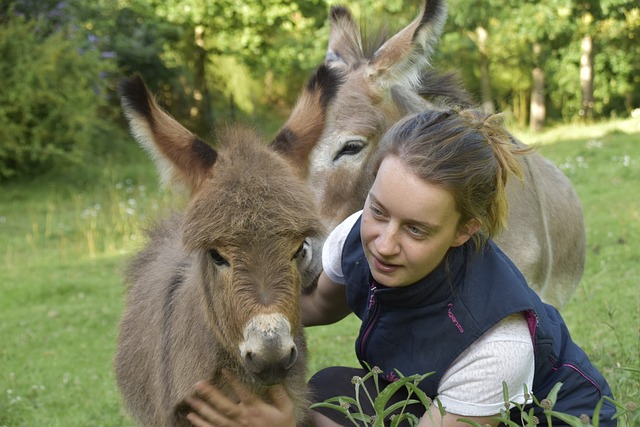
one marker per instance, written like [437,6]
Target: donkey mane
[446,88]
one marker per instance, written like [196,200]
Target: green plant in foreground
[627,415]
[379,403]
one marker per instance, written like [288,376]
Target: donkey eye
[302,250]
[350,148]
[218,259]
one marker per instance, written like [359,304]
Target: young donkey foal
[217,287]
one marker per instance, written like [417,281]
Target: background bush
[54,99]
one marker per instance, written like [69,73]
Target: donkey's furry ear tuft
[427,35]
[345,41]
[135,96]
[402,59]
[179,154]
[339,12]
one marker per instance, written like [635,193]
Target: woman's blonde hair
[467,152]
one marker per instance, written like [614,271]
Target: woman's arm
[326,304]
[503,355]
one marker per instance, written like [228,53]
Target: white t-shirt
[472,386]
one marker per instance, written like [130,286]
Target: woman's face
[408,225]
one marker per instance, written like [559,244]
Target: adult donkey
[218,286]
[376,84]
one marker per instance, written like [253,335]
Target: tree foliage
[558,26]
[244,59]
[52,95]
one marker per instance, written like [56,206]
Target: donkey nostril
[293,356]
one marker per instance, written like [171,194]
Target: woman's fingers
[211,408]
[244,394]
[205,416]
[280,397]
[280,412]
[212,419]
[277,392]
[213,405]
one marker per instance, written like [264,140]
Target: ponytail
[505,151]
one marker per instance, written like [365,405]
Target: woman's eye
[416,231]
[376,211]
[218,259]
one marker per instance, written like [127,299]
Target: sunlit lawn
[64,241]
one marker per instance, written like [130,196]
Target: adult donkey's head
[378,83]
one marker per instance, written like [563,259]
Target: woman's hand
[211,408]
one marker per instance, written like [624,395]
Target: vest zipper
[533,327]
[373,311]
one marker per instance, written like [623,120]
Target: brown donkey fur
[218,285]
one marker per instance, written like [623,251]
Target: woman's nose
[387,241]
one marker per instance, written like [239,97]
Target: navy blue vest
[423,327]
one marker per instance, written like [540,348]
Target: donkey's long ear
[304,127]
[178,153]
[345,40]
[403,57]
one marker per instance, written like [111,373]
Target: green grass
[604,313]
[65,238]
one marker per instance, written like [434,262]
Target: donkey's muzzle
[268,350]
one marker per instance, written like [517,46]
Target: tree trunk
[202,113]
[482,37]
[538,108]
[521,107]
[586,77]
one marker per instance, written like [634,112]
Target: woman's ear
[465,232]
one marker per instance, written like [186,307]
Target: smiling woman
[418,266]
[406,241]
